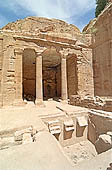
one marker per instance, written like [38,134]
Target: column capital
[64,53]
[68,51]
[38,54]
[18,50]
[40,50]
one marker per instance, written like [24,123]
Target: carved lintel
[18,50]
[38,54]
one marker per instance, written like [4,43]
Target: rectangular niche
[68,129]
[81,124]
[54,128]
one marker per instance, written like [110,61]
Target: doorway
[29,75]
[51,74]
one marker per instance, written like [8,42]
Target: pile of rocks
[17,137]
[88,102]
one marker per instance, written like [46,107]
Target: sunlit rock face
[89,28]
[40,24]
[102,53]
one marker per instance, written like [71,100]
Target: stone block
[68,129]
[82,121]
[27,138]
[54,127]
[18,136]
[69,125]
[6,142]
[103,143]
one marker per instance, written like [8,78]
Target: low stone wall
[92,102]
[100,130]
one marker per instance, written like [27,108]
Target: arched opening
[51,74]
[29,75]
[72,80]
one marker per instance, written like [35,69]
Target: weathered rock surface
[43,25]
[103,143]
[100,130]
[100,162]
[102,53]
[45,154]
[89,28]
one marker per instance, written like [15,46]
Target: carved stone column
[39,86]
[18,77]
[64,93]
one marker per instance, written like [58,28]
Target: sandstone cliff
[89,28]
[102,53]
[40,24]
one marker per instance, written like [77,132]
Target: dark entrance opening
[29,75]
[51,74]
[72,79]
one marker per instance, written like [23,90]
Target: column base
[64,101]
[19,102]
[39,103]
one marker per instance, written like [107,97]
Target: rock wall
[41,24]
[100,122]
[8,71]
[89,28]
[85,73]
[100,130]
[72,79]
[102,53]
[1,60]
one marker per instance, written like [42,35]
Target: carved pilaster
[39,86]
[64,93]
[18,77]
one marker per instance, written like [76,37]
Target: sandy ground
[45,154]
[100,162]
[80,152]
[11,117]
